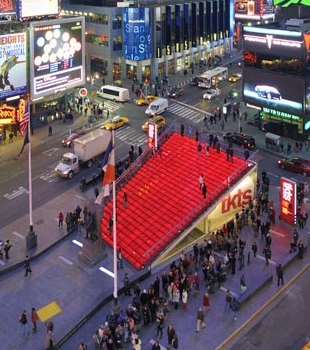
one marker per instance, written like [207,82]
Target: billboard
[137,34]
[288,200]
[36,9]
[7,7]
[254,9]
[275,91]
[13,67]
[57,55]
[287,3]
[274,42]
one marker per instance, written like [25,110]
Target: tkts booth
[276,79]
[10,117]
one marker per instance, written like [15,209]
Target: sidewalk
[59,276]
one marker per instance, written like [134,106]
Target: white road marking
[2,263]
[263,258]
[69,262]
[152,341]
[80,197]
[16,193]
[102,269]
[19,235]
[80,244]
[277,233]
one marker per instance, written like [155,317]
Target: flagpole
[31,241]
[114,233]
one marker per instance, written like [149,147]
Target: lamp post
[91,78]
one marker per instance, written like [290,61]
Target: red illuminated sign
[288,201]
[152,135]
[236,200]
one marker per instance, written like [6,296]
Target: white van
[157,107]
[273,141]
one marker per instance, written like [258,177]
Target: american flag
[23,125]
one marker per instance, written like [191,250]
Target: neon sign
[280,114]
[288,200]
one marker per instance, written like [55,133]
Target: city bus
[212,77]
[114,93]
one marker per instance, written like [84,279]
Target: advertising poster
[57,55]
[7,6]
[275,91]
[253,9]
[137,34]
[13,68]
[35,9]
[288,201]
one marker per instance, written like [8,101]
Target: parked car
[115,123]
[240,139]
[158,120]
[211,93]
[269,92]
[175,92]
[296,165]
[67,141]
[235,77]
[146,100]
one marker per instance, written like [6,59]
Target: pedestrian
[295,237]
[197,135]
[156,345]
[7,247]
[125,199]
[160,320]
[11,137]
[175,341]
[199,149]
[235,307]
[34,319]
[136,343]
[204,190]
[182,130]
[207,150]
[24,323]
[190,132]
[1,249]
[228,299]
[60,220]
[301,249]
[206,302]
[82,346]
[108,114]
[200,320]
[119,259]
[267,254]
[68,222]
[27,265]
[280,273]
[140,150]
[184,299]
[242,284]
[254,249]
[126,284]
[170,333]
[49,340]
[50,131]
[200,181]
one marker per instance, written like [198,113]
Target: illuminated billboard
[254,9]
[7,7]
[287,3]
[13,68]
[57,55]
[275,42]
[276,91]
[36,9]
[137,34]
[288,201]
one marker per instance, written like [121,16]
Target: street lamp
[91,78]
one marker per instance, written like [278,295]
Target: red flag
[108,166]
[23,125]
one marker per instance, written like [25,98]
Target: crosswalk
[110,106]
[194,115]
[131,136]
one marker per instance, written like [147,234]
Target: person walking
[170,333]
[235,307]
[184,299]
[204,190]
[49,340]
[50,131]
[27,266]
[126,284]
[160,320]
[242,284]
[156,345]
[206,301]
[200,320]
[200,181]
[34,319]
[60,220]
[7,247]
[119,259]
[267,254]
[24,323]
[125,200]
[254,249]
[228,299]
[280,273]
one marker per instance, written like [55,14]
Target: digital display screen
[287,3]
[7,6]
[253,9]
[13,67]
[137,34]
[29,9]
[273,42]
[276,91]
[288,201]
[57,49]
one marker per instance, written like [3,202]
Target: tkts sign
[11,115]
[288,201]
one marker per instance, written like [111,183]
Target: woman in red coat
[206,301]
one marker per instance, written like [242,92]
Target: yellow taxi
[235,77]
[306,347]
[146,100]
[158,120]
[115,123]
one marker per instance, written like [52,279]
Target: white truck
[157,107]
[85,149]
